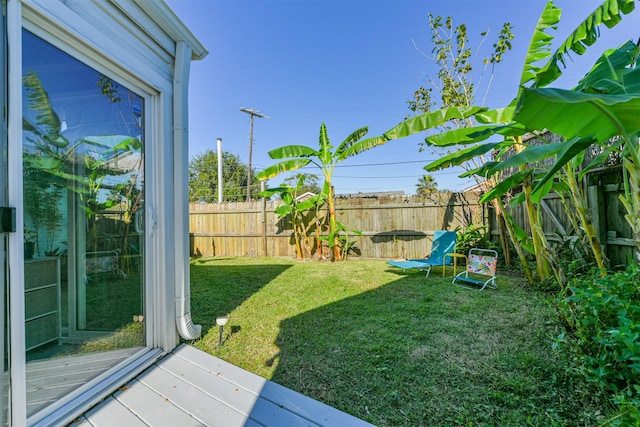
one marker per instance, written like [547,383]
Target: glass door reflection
[83,174]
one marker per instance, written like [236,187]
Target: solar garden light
[221,321]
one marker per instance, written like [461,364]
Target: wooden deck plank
[192,388]
[109,412]
[152,408]
[211,383]
[191,399]
[249,403]
[269,391]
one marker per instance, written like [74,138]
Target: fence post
[264,221]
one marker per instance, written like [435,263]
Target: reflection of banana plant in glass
[52,164]
[46,153]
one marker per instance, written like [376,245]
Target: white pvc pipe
[219,170]
[184,324]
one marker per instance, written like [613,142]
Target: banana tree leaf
[631,80]
[462,136]
[310,203]
[474,134]
[480,171]
[324,154]
[351,139]
[607,74]
[47,164]
[518,199]
[278,168]
[574,114]
[430,120]
[544,189]
[499,115]
[39,101]
[275,190]
[608,13]
[540,44]
[525,240]
[569,150]
[287,151]
[505,185]
[531,154]
[283,210]
[364,145]
[460,156]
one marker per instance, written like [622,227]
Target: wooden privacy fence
[391,226]
[603,187]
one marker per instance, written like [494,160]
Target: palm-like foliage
[325,158]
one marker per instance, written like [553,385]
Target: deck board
[192,388]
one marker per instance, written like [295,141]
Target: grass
[389,347]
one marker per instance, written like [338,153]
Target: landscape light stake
[221,321]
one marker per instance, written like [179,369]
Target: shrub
[473,236]
[602,318]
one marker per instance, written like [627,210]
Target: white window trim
[159,269]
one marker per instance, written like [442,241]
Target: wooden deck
[191,388]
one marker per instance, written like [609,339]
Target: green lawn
[389,347]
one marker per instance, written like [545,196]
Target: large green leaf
[284,166]
[505,185]
[462,136]
[540,44]
[288,151]
[531,154]
[470,135]
[480,170]
[524,238]
[569,150]
[430,120]
[499,115]
[39,101]
[364,145]
[350,140]
[575,114]
[324,153]
[460,156]
[587,32]
[606,76]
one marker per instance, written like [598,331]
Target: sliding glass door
[83,211]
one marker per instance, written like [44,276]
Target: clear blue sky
[349,64]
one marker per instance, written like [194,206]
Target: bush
[473,236]
[602,318]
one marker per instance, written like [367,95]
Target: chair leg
[428,271]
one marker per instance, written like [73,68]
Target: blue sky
[349,64]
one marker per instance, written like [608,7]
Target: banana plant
[325,158]
[505,124]
[303,214]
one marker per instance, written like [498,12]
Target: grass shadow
[424,352]
[218,287]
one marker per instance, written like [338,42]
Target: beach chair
[481,269]
[103,263]
[444,242]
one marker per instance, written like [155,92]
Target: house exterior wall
[133,42]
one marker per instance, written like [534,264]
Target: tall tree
[426,185]
[304,182]
[203,178]
[455,86]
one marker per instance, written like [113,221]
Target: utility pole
[253,113]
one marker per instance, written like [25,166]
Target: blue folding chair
[444,242]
